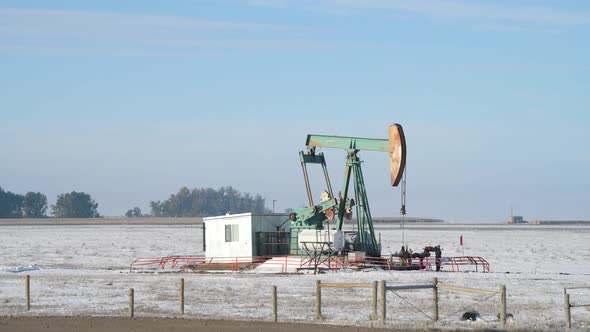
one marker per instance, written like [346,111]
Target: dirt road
[120,324]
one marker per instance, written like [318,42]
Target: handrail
[334,263]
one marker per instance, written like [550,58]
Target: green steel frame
[312,217]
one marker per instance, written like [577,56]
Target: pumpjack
[340,207]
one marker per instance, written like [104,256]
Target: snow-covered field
[83,270]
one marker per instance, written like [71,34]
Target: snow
[83,270]
[285,264]
[17,269]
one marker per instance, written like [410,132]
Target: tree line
[205,202]
[34,205]
[196,202]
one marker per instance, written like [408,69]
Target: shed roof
[230,216]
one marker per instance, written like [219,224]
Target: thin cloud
[450,9]
[47,20]
[494,27]
[251,44]
[555,68]
[45,31]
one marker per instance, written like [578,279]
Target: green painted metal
[364,219]
[343,196]
[312,158]
[308,218]
[342,142]
[363,213]
[312,217]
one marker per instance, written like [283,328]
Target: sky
[130,100]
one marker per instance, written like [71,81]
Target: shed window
[231,233]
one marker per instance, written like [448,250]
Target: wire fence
[569,303]
[428,302]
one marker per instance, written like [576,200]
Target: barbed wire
[476,302]
[410,303]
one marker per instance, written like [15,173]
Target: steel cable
[410,303]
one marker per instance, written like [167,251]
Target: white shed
[246,235]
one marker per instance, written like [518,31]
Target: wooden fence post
[503,305]
[374,315]
[318,304]
[28,291]
[181,296]
[131,303]
[383,300]
[274,303]
[568,315]
[435,299]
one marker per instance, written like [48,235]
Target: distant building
[517,220]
